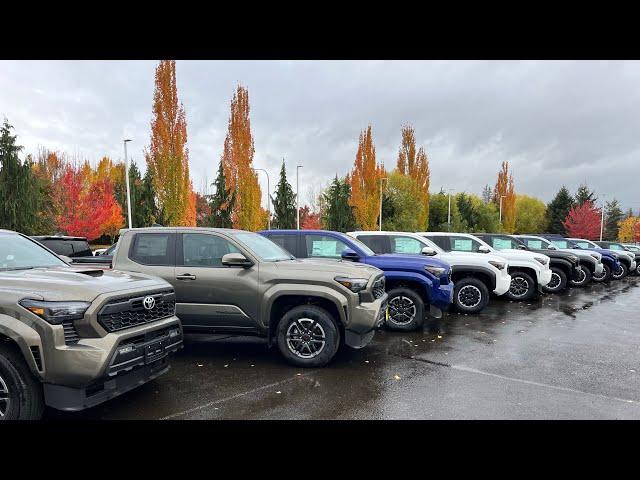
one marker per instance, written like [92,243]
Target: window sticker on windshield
[407,245]
[559,243]
[501,243]
[325,248]
[534,243]
[465,245]
[615,247]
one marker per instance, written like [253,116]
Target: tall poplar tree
[415,165]
[237,161]
[284,203]
[168,155]
[505,189]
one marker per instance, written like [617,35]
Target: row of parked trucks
[77,329]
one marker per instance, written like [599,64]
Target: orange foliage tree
[415,165]
[237,162]
[168,155]
[309,220]
[505,187]
[365,183]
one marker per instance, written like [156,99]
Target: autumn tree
[531,216]
[365,182]
[613,215]
[415,165]
[337,212]
[237,162]
[309,220]
[505,190]
[583,221]
[168,156]
[284,203]
[628,230]
[557,211]
[406,207]
[203,211]
[222,202]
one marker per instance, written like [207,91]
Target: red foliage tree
[83,211]
[308,219]
[583,221]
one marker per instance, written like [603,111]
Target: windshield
[564,243]
[262,247]
[20,253]
[367,251]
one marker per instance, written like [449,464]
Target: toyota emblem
[149,303]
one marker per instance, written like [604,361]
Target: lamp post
[298,167]
[501,197]
[382,179]
[268,195]
[449,212]
[126,167]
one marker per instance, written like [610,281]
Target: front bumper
[503,282]
[544,277]
[633,266]
[97,369]
[599,269]
[364,319]
[440,299]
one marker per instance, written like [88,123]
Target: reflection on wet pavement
[574,355]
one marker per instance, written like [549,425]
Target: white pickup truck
[474,275]
[527,269]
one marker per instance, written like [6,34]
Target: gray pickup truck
[233,281]
[73,337]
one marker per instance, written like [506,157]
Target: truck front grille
[378,287]
[133,311]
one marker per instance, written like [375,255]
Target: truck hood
[470,258]
[582,254]
[521,255]
[329,265]
[73,283]
[411,262]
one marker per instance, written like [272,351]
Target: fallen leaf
[278,391]
[366,361]
[199,364]
[226,365]
[439,336]
[397,377]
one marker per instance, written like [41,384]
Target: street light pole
[449,212]
[382,179]
[126,167]
[268,196]
[298,167]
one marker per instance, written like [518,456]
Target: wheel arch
[485,275]
[23,338]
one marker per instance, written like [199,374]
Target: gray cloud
[555,122]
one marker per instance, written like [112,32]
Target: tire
[406,310]
[584,280]
[21,396]
[638,267]
[606,274]
[558,281]
[624,271]
[523,287]
[300,332]
[470,295]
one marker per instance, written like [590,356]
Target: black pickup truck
[76,249]
[564,266]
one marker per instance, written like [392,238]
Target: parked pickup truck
[564,266]
[619,247]
[232,281]
[73,337]
[412,284]
[627,259]
[590,262]
[528,270]
[474,275]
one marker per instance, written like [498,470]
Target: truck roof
[196,229]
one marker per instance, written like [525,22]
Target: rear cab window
[153,248]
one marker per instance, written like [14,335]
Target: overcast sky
[555,122]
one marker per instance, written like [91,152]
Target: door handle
[185,276]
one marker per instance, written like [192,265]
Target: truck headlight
[572,258]
[540,260]
[498,265]
[56,312]
[354,284]
[435,271]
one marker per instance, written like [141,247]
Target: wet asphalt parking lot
[570,356]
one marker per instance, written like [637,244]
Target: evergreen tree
[557,211]
[487,193]
[585,195]
[21,190]
[612,216]
[143,206]
[338,213]
[222,202]
[284,204]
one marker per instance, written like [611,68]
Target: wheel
[604,276]
[308,336]
[406,310]
[558,281]
[621,273]
[470,295]
[638,268]
[523,287]
[21,396]
[584,277]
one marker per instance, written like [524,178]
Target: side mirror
[483,249]
[428,251]
[64,258]
[236,260]
[350,255]
[522,247]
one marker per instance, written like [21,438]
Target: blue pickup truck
[412,283]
